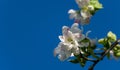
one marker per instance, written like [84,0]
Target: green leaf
[96,4]
[107,44]
[118,46]
[92,53]
[82,62]
[115,49]
[118,54]
[75,61]
[83,49]
[85,40]
[92,12]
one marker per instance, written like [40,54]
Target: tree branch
[103,55]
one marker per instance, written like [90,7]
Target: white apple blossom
[69,42]
[63,51]
[73,14]
[82,17]
[86,11]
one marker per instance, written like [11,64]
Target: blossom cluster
[87,9]
[73,39]
[107,42]
[74,43]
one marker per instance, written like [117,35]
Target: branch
[103,55]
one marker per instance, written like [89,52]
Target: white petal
[64,56]
[81,37]
[57,50]
[82,3]
[70,47]
[64,52]
[61,38]
[76,50]
[65,30]
[70,33]
[85,14]
[75,28]
[73,14]
[71,11]
[111,52]
[88,33]
[76,43]
[77,36]
[72,55]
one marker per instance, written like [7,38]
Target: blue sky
[29,32]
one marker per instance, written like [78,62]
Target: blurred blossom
[82,3]
[87,9]
[82,17]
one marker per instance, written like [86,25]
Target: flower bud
[101,41]
[115,49]
[90,7]
[118,54]
[111,36]
[118,46]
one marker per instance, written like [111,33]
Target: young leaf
[85,40]
[75,61]
[92,53]
[82,62]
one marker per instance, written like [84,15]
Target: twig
[103,55]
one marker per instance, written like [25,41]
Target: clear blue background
[29,32]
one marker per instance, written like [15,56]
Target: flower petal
[61,38]
[75,28]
